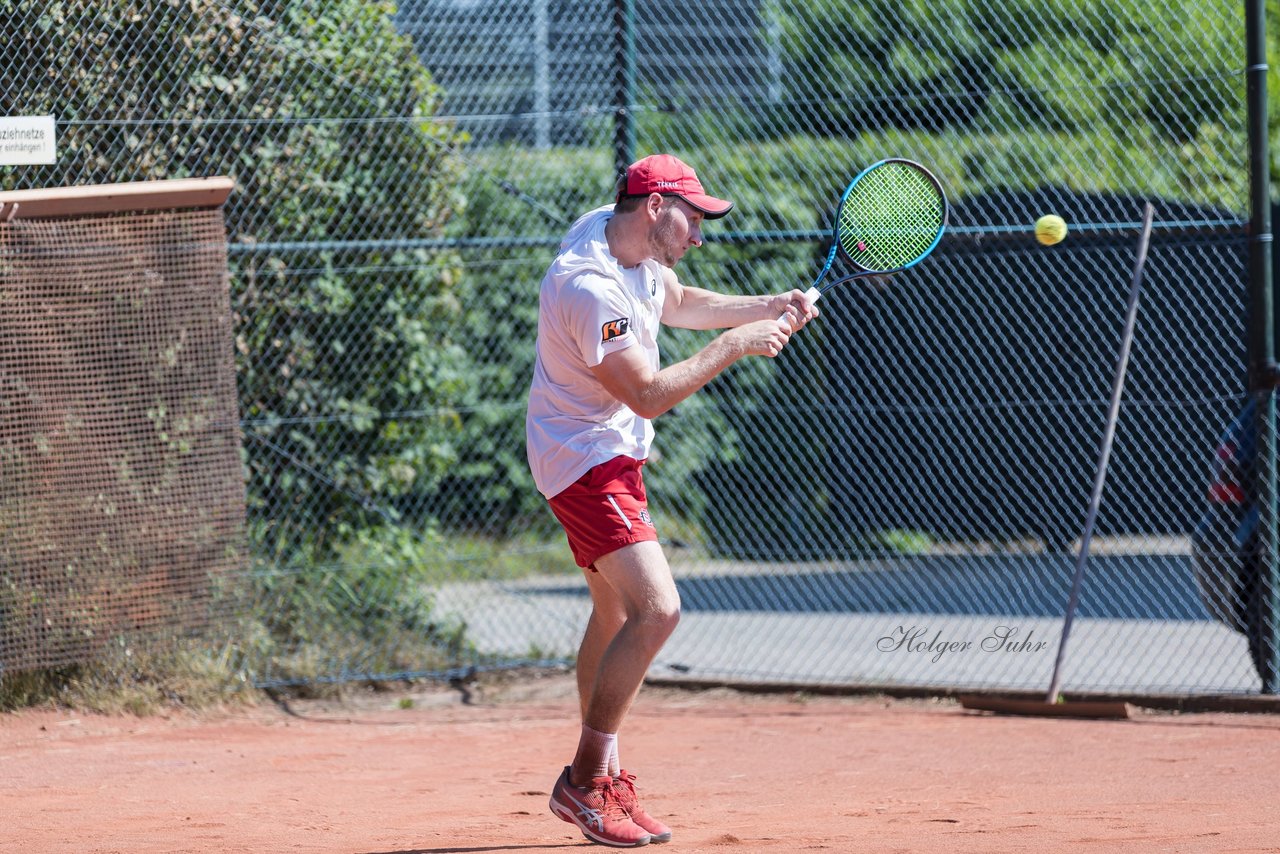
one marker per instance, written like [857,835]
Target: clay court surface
[732,772]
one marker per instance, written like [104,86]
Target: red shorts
[604,510]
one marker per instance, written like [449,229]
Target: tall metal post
[624,129]
[541,75]
[1261,344]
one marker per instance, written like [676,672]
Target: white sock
[595,750]
[615,764]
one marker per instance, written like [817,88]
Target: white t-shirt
[588,306]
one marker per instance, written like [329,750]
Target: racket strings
[890,218]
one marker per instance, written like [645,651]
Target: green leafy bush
[323,115]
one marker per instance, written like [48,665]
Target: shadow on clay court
[483,848]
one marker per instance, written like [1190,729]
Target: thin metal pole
[1104,452]
[541,75]
[624,130]
[1261,347]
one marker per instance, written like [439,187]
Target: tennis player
[597,385]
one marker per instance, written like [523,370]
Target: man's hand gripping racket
[891,216]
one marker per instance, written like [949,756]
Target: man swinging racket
[597,385]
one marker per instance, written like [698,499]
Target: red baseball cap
[662,173]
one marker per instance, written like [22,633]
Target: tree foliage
[1065,64]
[322,114]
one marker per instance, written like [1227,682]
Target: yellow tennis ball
[1050,229]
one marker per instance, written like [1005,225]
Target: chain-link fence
[895,501]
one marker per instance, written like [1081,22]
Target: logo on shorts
[614,329]
[644,516]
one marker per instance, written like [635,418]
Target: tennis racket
[890,218]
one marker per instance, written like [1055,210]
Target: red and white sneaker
[597,811]
[625,786]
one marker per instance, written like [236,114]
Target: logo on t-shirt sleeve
[614,329]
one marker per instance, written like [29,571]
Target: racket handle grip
[813,294]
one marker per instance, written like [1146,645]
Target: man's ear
[654,204]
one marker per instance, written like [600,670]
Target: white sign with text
[27,141]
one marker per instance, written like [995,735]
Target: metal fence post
[541,75]
[1261,344]
[624,130]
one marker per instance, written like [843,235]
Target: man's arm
[626,374]
[687,307]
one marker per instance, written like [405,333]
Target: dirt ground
[431,770]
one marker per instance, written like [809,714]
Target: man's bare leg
[640,580]
[607,616]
